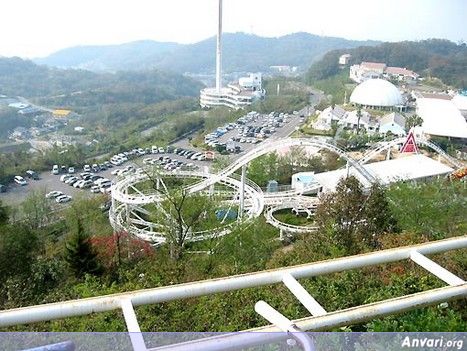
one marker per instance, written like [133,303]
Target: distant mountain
[242,52]
[128,56]
[433,57]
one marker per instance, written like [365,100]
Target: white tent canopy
[441,117]
[410,167]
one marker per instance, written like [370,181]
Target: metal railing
[319,319]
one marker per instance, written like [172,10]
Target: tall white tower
[219,51]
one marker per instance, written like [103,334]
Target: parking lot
[236,135]
[51,182]
[243,136]
[279,127]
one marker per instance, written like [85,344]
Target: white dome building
[377,94]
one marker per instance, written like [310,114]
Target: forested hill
[78,87]
[434,57]
[242,52]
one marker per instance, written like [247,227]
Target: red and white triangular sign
[410,145]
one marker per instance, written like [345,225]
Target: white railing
[318,321]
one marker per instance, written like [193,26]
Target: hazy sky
[33,28]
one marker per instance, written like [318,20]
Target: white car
[55,169]
[87,168]
[71,170]
[71,180]
[100,181]
[53,194]
[116,161]
[78,183]
[95,189]
[20,180]
[85,184]
[65,177]
[116,171]
[63,198]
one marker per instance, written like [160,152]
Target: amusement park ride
[129,202]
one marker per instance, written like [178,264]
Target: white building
[393,123]
[235,96]
[367,70]
[408,168]
[441,117]
[328,116]
[372,70]
[377,94]
[347,119]
[401,73]
[344,59]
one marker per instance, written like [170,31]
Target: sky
[36,28]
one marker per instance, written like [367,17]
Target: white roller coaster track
[270,146]
[125,191]
[421,141]
[122,215]
[310,203]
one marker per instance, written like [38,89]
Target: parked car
[71,170]
[78,183]
[2,188]
[65,177]
[95,189]
[63,198]
[71,180]
[55,169]
[53,194]
[85,184]
[33,175]
[87,168]
[20,180]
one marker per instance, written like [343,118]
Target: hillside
[434,57]
[24,78]
[242,52]
[133,55]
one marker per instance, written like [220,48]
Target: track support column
[242,192]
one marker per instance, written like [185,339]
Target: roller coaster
[129,211]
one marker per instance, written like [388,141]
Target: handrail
[86,306]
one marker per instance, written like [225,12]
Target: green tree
[79,253]
[36,210]
[413,121]
[354,219]
[18,247]
[378,216]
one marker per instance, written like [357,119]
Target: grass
[286,216]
